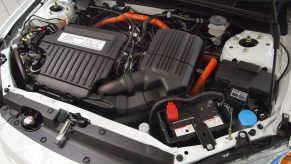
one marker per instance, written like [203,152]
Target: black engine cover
[77,58]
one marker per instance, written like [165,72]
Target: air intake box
[77,58]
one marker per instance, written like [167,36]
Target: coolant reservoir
[251,47]
[60,9]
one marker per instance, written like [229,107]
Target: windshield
[262,6]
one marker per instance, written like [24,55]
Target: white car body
[16,148]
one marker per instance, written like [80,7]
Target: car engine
[75,62]
[175,75]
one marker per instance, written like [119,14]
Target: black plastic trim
[1,43]
[92,143]
[238,155]
[1,89]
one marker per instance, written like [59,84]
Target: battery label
[213,122]
[184,130]
[86,42]
[239,94]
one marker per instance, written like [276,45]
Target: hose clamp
[168,14]
[129,83]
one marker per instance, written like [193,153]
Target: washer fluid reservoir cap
[247,118]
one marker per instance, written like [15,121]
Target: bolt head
[260,126]
[179,158]
[17,122]
[242,135]
[248,39]
[50,111]
[6,90]
[252,132]
[86,159]
[286,115]
[210,103]
[43,139]
[102,131]
[260,37]
[209,146]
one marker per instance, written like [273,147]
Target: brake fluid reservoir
[251,47]
[60,9]
[217,26]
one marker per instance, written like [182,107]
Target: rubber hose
[131,16]
[19,63]
[129,83]
[212,62]
[145,23]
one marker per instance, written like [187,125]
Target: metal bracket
[204,134]
[73,120]
[286,126]
[2,43]
[66,127]
[243,139]
[285,121]
[3,59]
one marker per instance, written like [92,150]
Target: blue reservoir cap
[247,117]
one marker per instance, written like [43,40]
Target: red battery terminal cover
[172,112]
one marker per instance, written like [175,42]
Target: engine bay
[185,79]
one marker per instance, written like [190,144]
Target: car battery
[183,131]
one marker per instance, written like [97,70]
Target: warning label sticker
[184,130]
[86,42]
[213,122]
[239,94]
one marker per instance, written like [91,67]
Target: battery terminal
[172,112]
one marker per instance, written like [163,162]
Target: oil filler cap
[28,121]
[31,122]
[247,118]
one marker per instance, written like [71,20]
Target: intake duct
[130,83]
[168,66]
